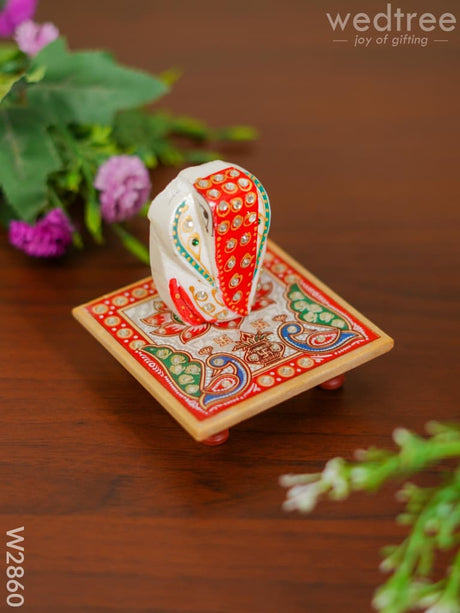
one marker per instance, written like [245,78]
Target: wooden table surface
[123,511]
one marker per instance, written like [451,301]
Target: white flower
[290,480]
[444,606]
[383,597]
[302,498]
[334,476]
[401,436]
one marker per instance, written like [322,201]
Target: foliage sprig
[63,114]
[432,514]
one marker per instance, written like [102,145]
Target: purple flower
[15,12]
[48,238]
[125,185]
[32,37]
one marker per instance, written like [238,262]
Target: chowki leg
[333,384]
[216,439]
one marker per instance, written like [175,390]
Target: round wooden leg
[333,384]
[217,439]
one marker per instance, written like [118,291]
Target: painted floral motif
[166,323]
[296,328]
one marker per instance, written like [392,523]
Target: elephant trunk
[233,199]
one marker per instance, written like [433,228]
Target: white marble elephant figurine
[208,234]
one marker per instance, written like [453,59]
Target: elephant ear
[233,198]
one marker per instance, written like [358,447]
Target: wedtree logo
[396,25]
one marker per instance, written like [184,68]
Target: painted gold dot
[305,362]
[120,300]
[112,321]
[266,381]
[100,309]
[183,379]
[139,292]
[213,194]
[136,344]
[192,389]
[230,263]
[124,333]
[237,221]
[286,371]
[230,187]
[237,204]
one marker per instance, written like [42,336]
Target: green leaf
[6,83]
[200,156]
[27,157]
[6,212]
[147,136]
[236,133]
[132,244]
[8,51]
[188,126]
[170,76]
[168,154]
[135,128]
[87,87]
[36,74]
[13,61]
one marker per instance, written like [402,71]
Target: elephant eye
[205,216]
[195,242]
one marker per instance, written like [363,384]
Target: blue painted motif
[290,330]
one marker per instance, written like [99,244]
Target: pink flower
[125,185]
[32,37]
[48,238]
[15,12]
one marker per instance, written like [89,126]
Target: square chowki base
[210,377]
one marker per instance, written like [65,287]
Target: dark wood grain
[123,511]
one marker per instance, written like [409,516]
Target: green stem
[93,217]
[452,590]
[131,243]
[77,239]
[54,198]
[429,452]
[414,545]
